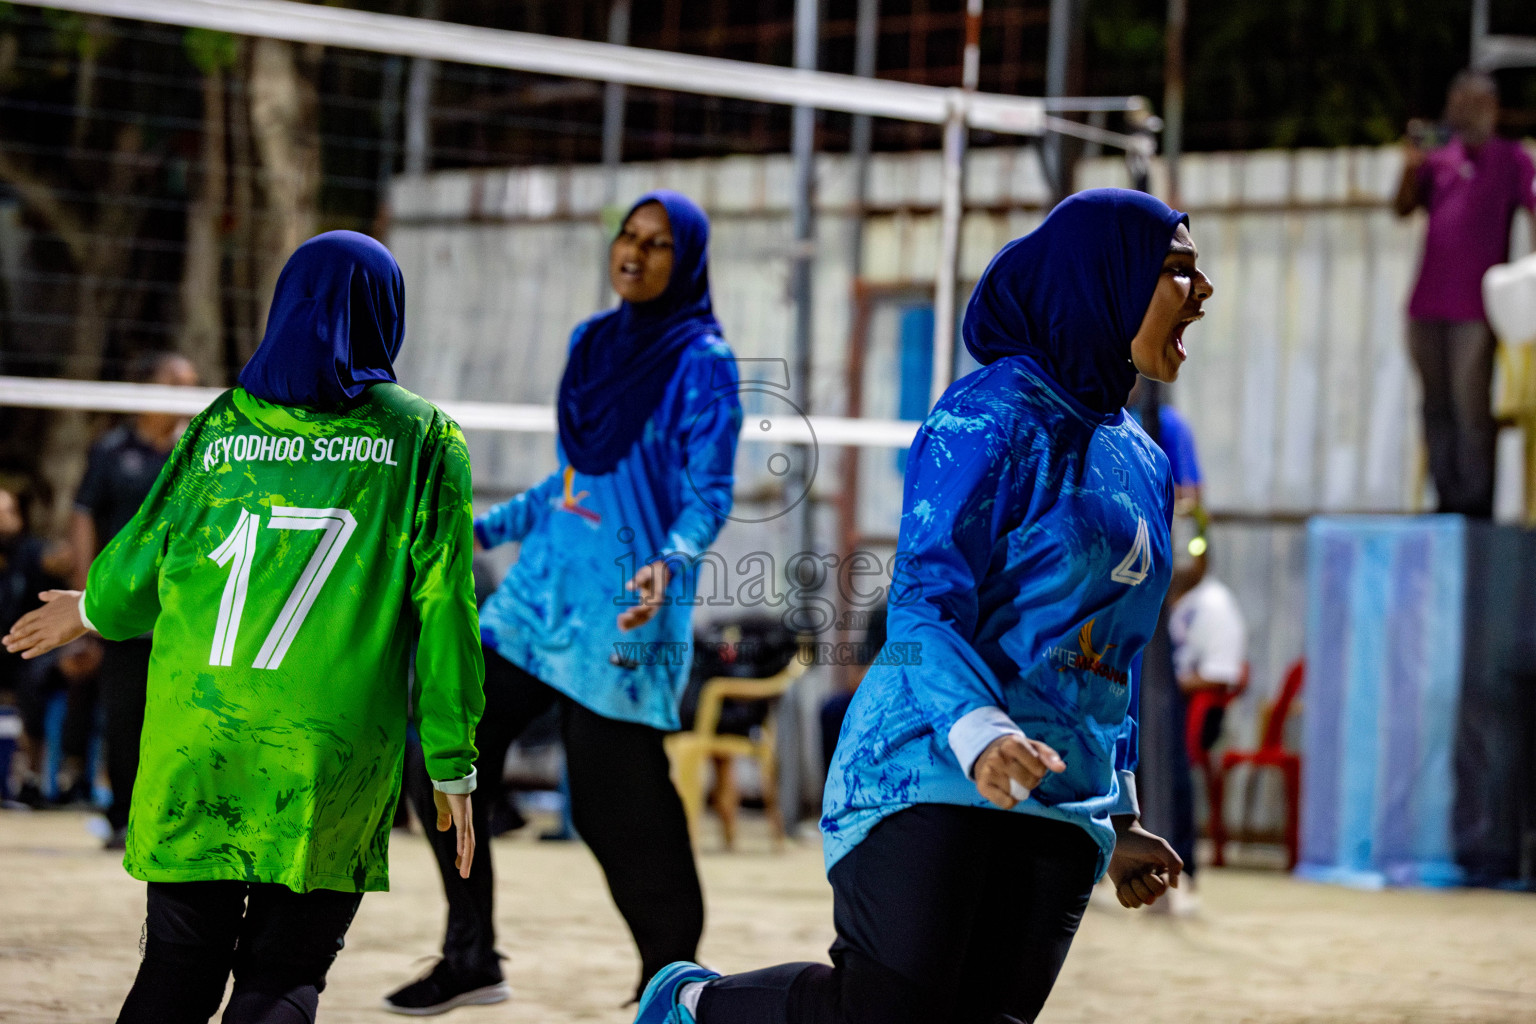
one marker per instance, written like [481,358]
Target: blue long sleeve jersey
[584,537]
[1032,563]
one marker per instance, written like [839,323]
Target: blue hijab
[620,367]
[336,323]
[1071,294]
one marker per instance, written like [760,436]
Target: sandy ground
[1263,949]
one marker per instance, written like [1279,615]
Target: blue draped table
[1418,723]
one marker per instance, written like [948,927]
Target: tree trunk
[245,304]
[285,127]
[103,253]
[200,336]
[93,39]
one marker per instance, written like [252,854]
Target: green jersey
[294,566]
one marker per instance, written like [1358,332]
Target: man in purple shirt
[1471,186]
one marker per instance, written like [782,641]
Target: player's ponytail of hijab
[336,323]
[619,369]
[1072,293]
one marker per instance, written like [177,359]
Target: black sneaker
[31,795]
[78,794]
[444,988]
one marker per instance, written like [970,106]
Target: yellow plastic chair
[690,750]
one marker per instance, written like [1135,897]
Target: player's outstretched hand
[1143,867]
[55,624]
[453,811]
[1011,766]
[650,584]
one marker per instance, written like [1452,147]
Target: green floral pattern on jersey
[295,567]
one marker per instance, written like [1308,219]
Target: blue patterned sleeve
[961,493]
[712,424]
[514,519]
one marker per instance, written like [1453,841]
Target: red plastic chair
[1271,754]
[1200,704]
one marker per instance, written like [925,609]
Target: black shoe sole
[484,996]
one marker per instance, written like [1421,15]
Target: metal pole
[946,289]
[1059,41]
[1479,31]
[950,212]
[861,139]
[803,144]
[613,138]
[418,115]
[1141,148]
[1173,94]
[970,75]
[389,121]
[613,106]
[866,37]
[804,225]
[418,105]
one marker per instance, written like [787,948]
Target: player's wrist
[977,732]
[85,620]
[456,787]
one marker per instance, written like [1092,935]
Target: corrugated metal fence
[1298,387]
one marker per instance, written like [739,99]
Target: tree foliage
[1303,72]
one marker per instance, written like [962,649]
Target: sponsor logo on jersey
[1137,564]
[572,502]
[1086,658]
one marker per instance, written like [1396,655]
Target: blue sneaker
[658,1003]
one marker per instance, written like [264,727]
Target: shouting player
[307,543]
[976,798]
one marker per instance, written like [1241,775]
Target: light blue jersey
[1034,557]
[555,614]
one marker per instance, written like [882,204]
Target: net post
[951,211]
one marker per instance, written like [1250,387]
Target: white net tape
[97,396]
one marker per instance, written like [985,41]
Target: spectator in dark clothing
[1164,780]
[1471,186]
[71,670]
[28,566]
[836,707]
[1174,436]
[122,467]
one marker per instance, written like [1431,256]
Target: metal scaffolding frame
[1491,52]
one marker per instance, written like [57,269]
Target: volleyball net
[161,157]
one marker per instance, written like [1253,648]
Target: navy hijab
[336,323]
[619,370]
[1072,293]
